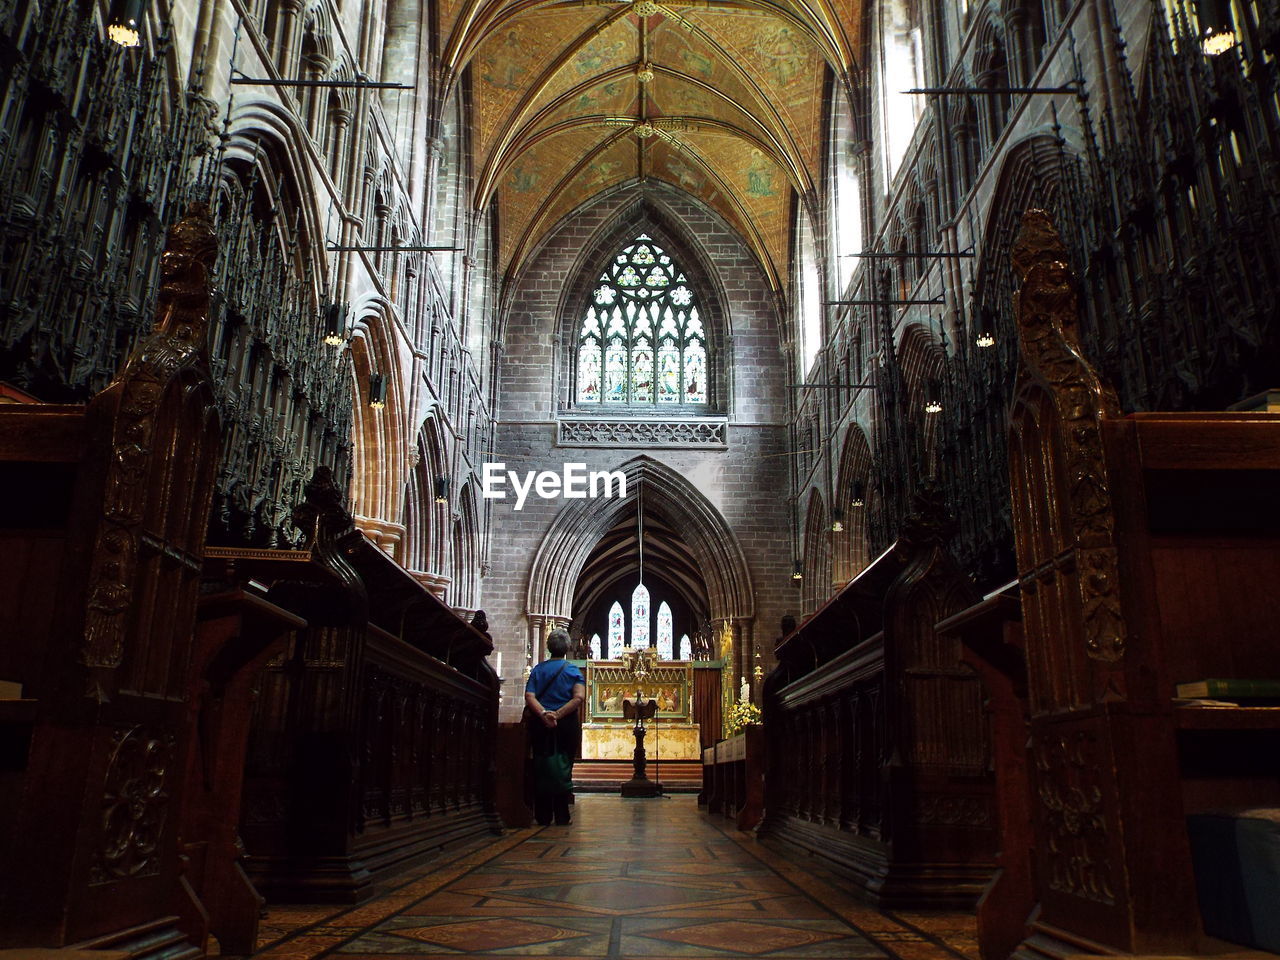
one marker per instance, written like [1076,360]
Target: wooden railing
[877,746]
[733,778]
[373,738]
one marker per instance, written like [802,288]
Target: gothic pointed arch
[569,542]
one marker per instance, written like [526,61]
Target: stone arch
[922,356]
[378,474]
[851,550]
[463,589]
[425,520]
[1031,175]
[816,585]
[572,535]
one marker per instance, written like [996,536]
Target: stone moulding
[680,433]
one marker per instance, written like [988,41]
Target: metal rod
[991,91]
[355,84]
[337,249]
[833,386]
[872,303]
[914,253]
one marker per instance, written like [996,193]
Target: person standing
[552,696]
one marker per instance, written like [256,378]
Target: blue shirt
[557,692]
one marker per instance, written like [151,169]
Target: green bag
[553,773]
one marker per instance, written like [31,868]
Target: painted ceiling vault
[721,98]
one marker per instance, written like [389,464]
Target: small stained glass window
[596,652]
[640,616]
[686,647]
[665,631]
[617,629]
[642,342]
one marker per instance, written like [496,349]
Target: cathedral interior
[899,375]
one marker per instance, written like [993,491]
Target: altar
[673,735]
[665,740]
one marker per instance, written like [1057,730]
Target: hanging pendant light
[797,573]
[124,25]
[377,391]
[442,489]
[859,494]
[1217,31]
[932,397]
[837,521]
[335,322]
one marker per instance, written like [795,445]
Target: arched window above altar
[665,632]
[596,653]
[685,649]
[617,630]
[640,617]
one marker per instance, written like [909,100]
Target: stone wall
[747,483]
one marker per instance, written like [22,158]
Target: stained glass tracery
[642,341]
[640,616]
[617,629]
[665,632]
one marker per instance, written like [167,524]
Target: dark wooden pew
[733,778]
[1148,551]
[373,738]
[878,754]
[991,634]
[101,540]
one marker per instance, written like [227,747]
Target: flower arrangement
[742,714]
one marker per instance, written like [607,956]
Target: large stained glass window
[617,630]
[665,631]
[640,616]
[642,342]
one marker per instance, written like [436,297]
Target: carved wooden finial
[186,276]
[1037,242]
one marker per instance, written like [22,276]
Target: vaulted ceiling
[720,98]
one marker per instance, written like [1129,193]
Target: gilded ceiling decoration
[721,99]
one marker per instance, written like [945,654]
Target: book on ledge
[1230,689]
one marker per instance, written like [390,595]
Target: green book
[1232,689]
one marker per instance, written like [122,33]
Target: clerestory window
[642,342]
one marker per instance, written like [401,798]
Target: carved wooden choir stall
[100,567]
[877,750]
[1148,557]
[132,659]
[373,737]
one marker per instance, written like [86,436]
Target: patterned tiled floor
[643,879]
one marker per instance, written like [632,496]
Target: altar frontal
[606,735]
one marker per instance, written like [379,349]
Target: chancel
[924,353]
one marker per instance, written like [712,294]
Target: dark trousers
[551,799]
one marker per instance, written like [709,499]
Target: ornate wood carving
[135,804]
[1047,313]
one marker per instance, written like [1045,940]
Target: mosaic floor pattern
[643,879]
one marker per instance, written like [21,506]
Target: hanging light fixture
[335,323]
[986,324]
[932,397]
[377,391]
[859,494]
[123,26]
[1217,32]
[797,573]
[442,489]
[837,521]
